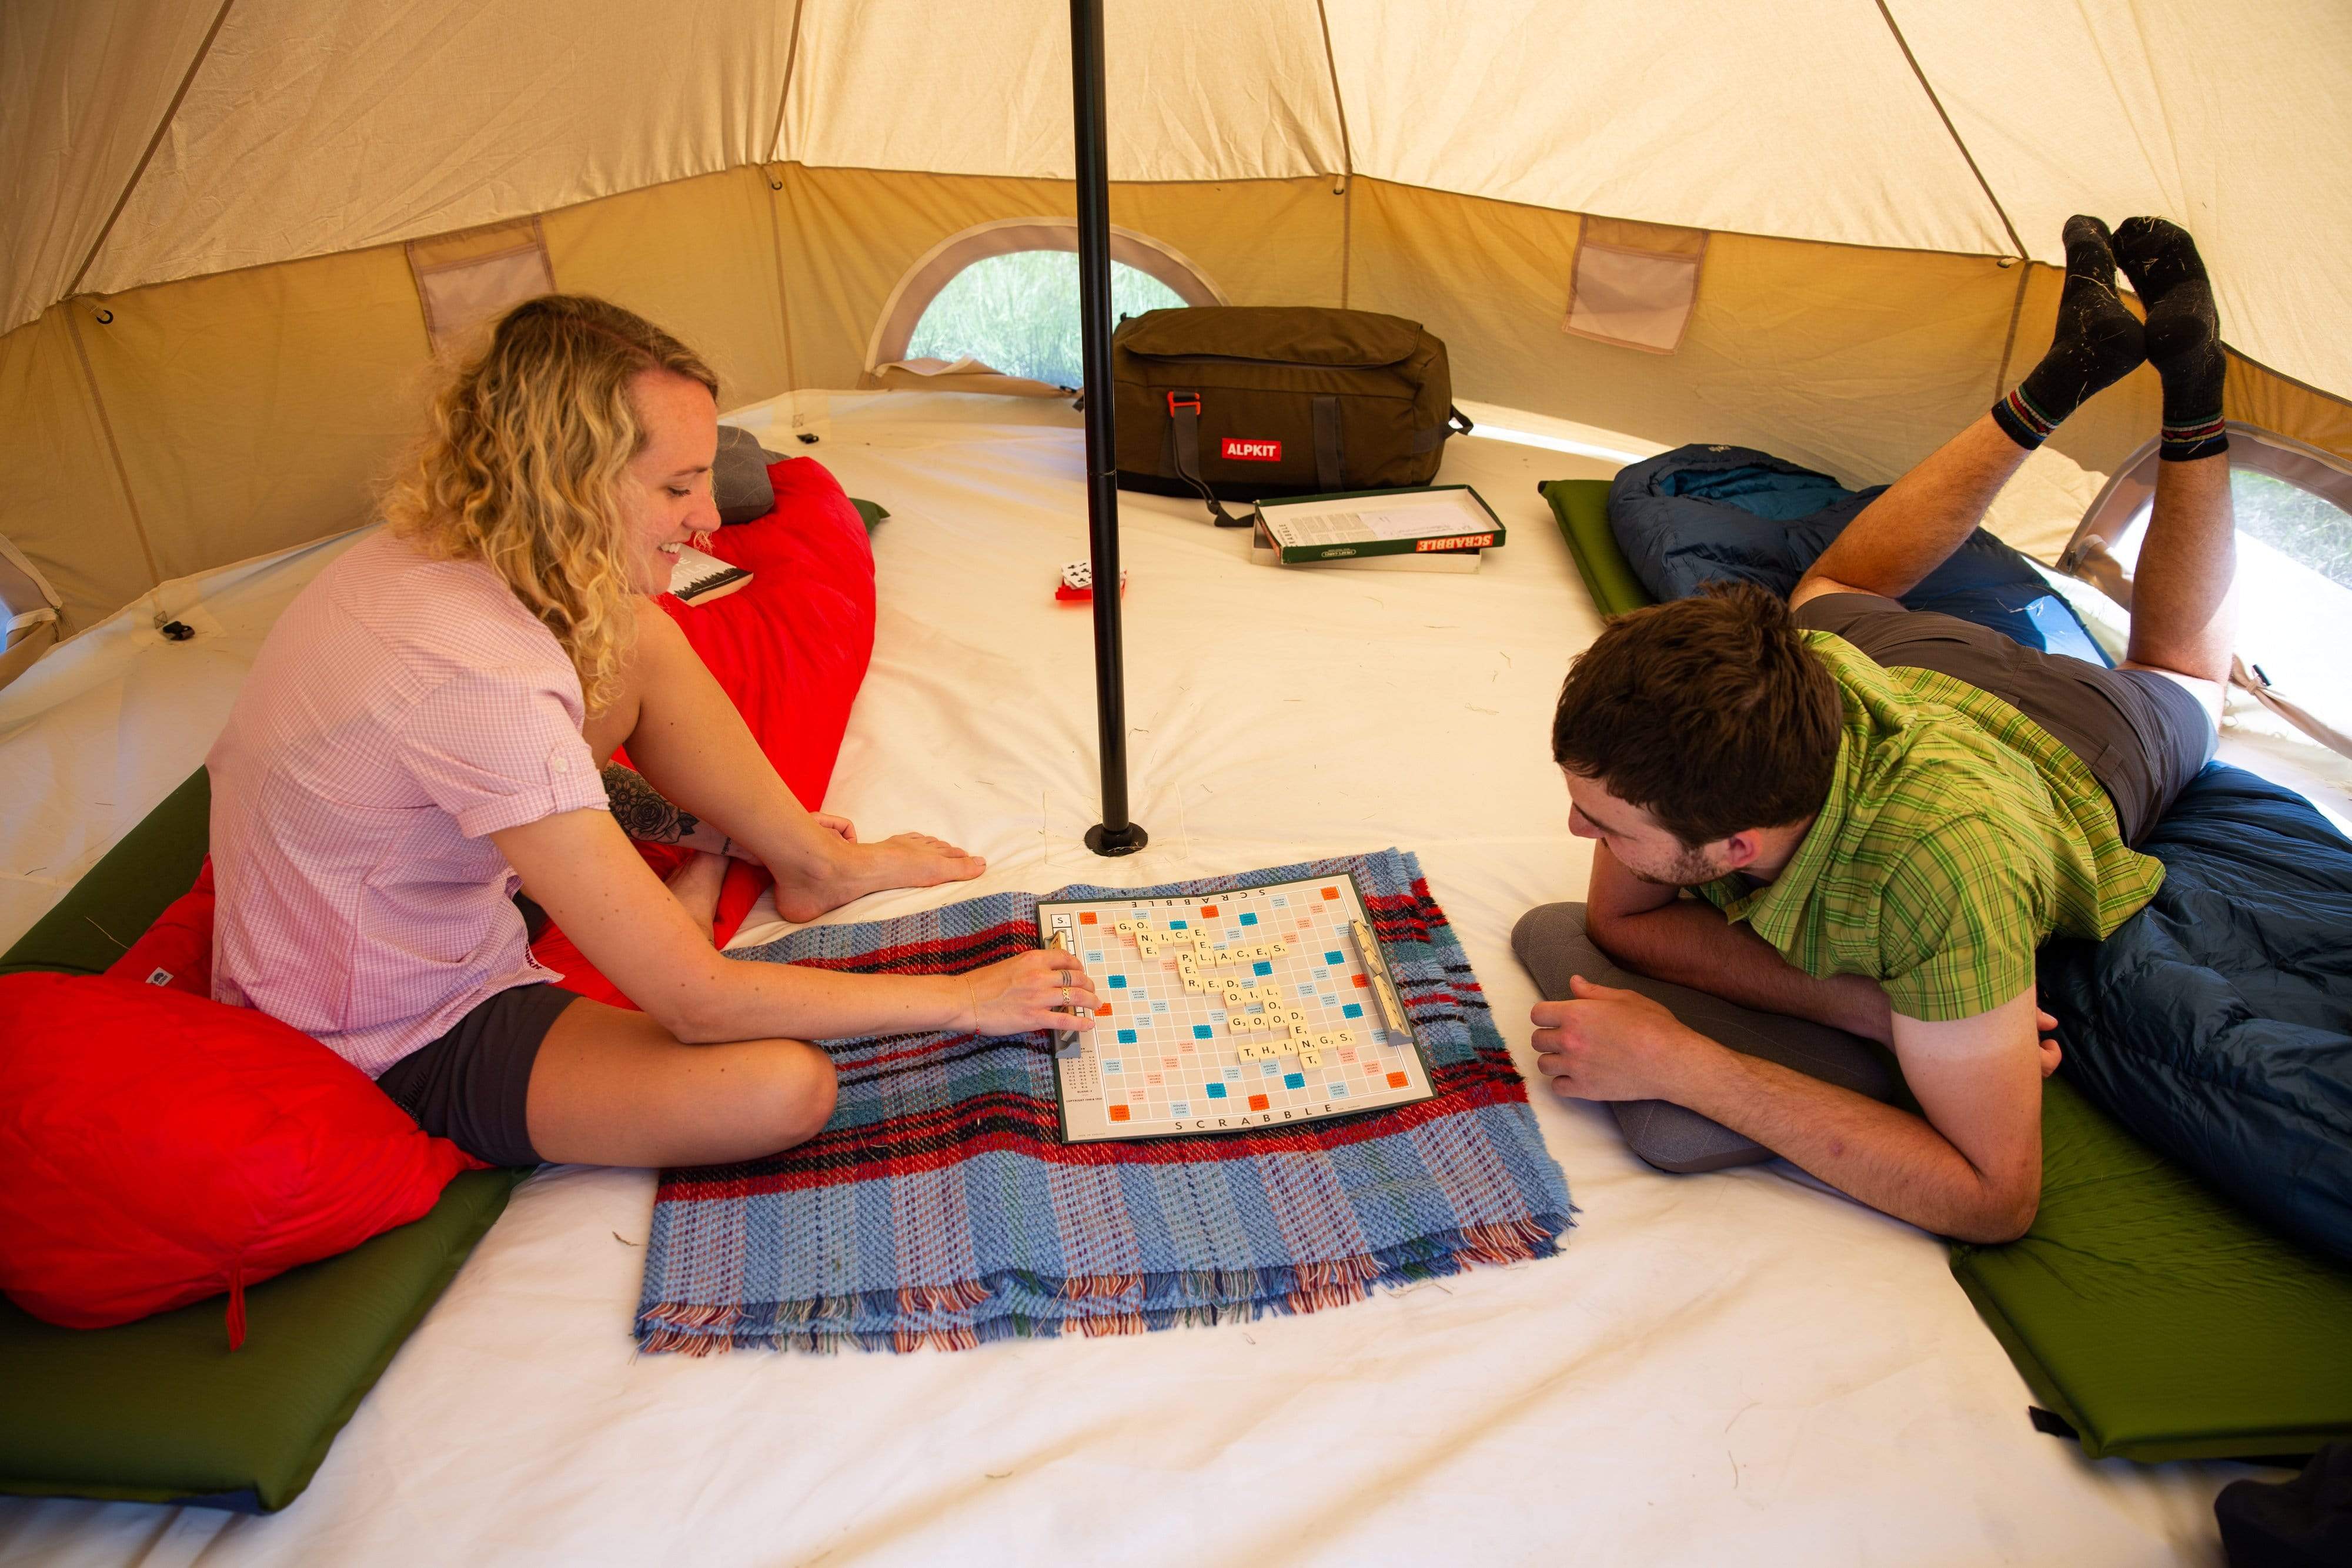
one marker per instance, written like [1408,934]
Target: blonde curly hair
[521,465]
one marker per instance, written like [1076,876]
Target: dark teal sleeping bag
[2217,1022]
[1711,514]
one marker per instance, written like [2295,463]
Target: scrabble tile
[1310,1058]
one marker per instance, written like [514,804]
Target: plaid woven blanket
[940,1207]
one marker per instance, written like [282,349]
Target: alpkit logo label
[1236,449]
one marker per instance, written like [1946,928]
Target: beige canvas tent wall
[215,338]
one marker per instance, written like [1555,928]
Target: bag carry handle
[1456,422]
[1185,419]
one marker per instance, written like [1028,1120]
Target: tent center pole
[1116,835]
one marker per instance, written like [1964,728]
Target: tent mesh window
[995,308]
[2294,509]
[1019,314]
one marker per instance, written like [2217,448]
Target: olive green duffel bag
[1236,402]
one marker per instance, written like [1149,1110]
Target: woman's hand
[1031,992]
[842,826]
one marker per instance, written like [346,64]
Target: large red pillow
[157,1149]
[789,649]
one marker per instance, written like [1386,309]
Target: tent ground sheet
[1737,1362]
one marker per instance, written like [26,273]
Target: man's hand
[1604,1043]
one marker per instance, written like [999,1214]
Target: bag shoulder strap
[1184,422]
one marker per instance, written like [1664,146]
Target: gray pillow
[1551,942]
[738,477]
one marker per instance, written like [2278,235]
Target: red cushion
[177,950]
[789,649]
[157,1149]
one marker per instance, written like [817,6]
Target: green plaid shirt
[1958,837]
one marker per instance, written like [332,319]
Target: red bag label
[1239,450]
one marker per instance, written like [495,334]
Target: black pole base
[1103,842]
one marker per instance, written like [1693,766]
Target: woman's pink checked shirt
[402,709]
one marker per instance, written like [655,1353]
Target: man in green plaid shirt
[1885,812]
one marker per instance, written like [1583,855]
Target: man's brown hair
[1709,713]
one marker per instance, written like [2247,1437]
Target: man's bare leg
[1922,518]
[1928,514]
[2184,592]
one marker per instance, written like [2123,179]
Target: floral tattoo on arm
[642,812]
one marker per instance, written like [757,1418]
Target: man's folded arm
[1647,928]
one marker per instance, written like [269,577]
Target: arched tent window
[995,309]
[2293,509]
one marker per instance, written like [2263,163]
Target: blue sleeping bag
[1711,514]
[2217,1022]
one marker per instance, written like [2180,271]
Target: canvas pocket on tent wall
[474,276]
[1632,284]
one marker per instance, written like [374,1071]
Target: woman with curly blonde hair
[426,731]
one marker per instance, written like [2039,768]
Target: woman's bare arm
[579,867]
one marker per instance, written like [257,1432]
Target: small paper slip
[697,578]
[1439,520]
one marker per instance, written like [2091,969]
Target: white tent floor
[1738,1363]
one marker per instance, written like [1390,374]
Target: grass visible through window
[2309,528]
[1019,313]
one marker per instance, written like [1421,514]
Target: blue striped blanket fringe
[941,1208]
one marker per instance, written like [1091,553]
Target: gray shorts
[2143,737]
[472,1086]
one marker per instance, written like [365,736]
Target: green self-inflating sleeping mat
[117,899]
[161,1410]
[2157,1319]
[1582,507]
[2152,1316]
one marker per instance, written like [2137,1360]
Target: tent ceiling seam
[1347,157]
[775,183]
[1949,129]
[170,112]
[114,449]
[783,295]
[2016,312]
[785,94]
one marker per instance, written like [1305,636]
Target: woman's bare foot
[908,860]
[696,885]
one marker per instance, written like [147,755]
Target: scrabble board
[1230,1012]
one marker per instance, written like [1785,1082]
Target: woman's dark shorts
[472,1086]
[2143,737]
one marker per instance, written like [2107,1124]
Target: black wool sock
[2097,342]
[2184,334]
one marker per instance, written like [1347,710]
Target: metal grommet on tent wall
[105,317]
